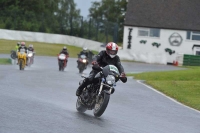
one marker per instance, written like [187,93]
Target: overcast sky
[84,6]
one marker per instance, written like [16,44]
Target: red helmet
[22,43]
[112,49]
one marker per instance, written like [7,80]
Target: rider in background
[30,48]
[17,46]
[84,51]
[64,51]
[23,46]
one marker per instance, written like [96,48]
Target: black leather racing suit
[64,52]
[31,49]
[23,47]
[102,59]
[83,53]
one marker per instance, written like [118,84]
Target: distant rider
[105,57]
[17,46]
[23,46]
[30,48]
[64,51]
[83,52]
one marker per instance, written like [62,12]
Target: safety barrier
[191,60]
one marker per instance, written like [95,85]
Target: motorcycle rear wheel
[102,104]
[80,107]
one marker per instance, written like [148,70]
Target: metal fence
[88,28]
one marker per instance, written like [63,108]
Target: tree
[112,11]
[54,16]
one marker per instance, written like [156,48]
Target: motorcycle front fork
[100,90]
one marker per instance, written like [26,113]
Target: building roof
[166,14]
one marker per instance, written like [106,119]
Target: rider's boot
[81,87]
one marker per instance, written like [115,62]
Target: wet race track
[41,99]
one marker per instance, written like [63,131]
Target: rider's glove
[94,63]
[123,74]
[123,77]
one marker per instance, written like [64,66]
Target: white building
[156,31]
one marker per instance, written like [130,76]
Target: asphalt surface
[41,99]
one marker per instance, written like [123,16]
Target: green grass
[44,49]
[182,85]
[5,61]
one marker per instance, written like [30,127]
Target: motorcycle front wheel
[80,107]
[29,62]
[60,66]
[81,68]
[101,105]
[21,64]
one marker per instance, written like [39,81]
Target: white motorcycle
[62,61]
[30,55]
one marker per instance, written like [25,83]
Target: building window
[193,35]
[149,32]
[197,52]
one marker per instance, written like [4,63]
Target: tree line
[104,23]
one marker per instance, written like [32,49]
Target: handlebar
[98,68]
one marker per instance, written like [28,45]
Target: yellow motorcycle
[21,59]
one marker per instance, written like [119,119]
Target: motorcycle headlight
[30,54]
[110,79]
[84,60]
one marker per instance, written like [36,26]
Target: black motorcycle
[13,54]
[96,95]
[82,62]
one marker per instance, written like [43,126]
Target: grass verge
[5,61]
[44,49]
[182,85]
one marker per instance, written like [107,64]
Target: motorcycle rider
[23,46]
[14,53]
[17,46]
[83,52]
[105,57]
[64,51]
[30,48]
